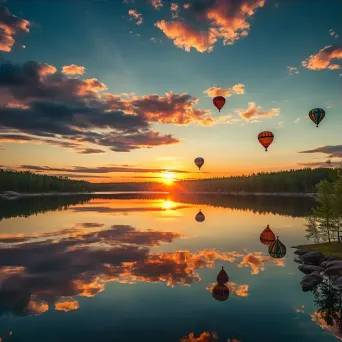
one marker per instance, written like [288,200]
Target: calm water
[140,268]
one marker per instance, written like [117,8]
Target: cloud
[322,59]
[237,89]
[253,111]
[320,319]
[208,21]
[98,169]
[174,10]
[292,70]
[297,120]
[10,27]
[67,305]
[157,3]
[73,69]
[239,290]
[334,151]
[206,336]
[280,125]
[134,14]
[333,34]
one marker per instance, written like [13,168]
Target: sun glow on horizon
[168,177]
[168,205]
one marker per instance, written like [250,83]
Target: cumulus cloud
[333,33]
[323,59]
[253,112]
[174,10]
[292,70]
[157,3]
[237,89]
[208,21]
[73,69]
[73,112]
[10,27]
[137,16]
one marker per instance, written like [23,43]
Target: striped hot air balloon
[267,237]
[199,161]
[277,249]
[265,139]
[220,292]
[317,115]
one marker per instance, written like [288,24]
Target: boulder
[298,261]
[313,258]
[308,269]
[301,251]
[310,281]
[331,258]
[338,284]
[327,264]
[334,270]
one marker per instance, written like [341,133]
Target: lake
[139,267]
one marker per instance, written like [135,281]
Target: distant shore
[12,195]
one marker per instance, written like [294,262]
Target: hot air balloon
[200,217]
[265,139]
[267,237]
[220,292]
[277,249]
[317,115]
[219,102]
[222,277]
[199,161]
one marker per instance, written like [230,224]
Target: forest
[28,182]
[292,181]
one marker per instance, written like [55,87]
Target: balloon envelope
[199,161]
[265,138]
[317,115]
[277,249]
[219,102]
[220,292]
[267,237]
[200,217]
[222,277]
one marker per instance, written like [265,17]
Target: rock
[308,269]
[331,258]
[327,264]
[334,270]
[313,258]
[298,261]
[338,284]
[301,251]
[310,281]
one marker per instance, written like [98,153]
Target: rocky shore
[12,195]
[316,266]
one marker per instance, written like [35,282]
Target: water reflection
[267,236]
[220,291]
[206,336]
[277,249]
[200,217]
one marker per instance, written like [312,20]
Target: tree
[337,203]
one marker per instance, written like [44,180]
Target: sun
[168,177]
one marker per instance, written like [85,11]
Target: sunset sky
[122,90]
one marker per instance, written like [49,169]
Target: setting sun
[168,205]
[168,177]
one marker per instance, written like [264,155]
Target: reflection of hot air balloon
[200,217]
[222,277]
[267,237]
[317,115]
[265,139]
[277,249]
[199,161]
[220,292]
[219,102]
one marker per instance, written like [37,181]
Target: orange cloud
[138,16]
[157,3]
[238,89]
[204,337]
[322,59]
[10,26]
[46,69]
[319,319]
[253,111]
[37,308]
[239,290]
[67,305]
[73,69]
[226,20]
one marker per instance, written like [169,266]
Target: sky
[122,90]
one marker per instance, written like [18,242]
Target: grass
[328,249]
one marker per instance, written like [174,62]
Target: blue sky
[143,59]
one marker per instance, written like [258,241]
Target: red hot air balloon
[220,292]
[265,139]
[267,237]
[222,277]
[219,102]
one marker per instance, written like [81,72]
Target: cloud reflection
[206,336]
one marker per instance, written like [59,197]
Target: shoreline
[12,195]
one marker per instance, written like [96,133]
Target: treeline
[28,206]
[303,181]
[28,182]
[325,223]
[129,186]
